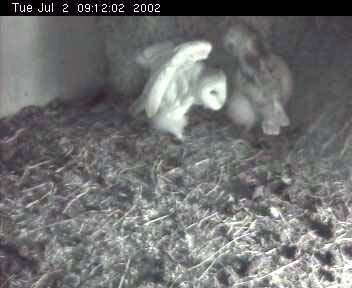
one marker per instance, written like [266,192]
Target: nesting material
[90,198]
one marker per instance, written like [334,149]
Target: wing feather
[184,54]
[153,55]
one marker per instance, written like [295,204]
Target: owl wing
[151,58]
[184,54]
[154,55]
[283,74]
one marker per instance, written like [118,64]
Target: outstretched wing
[155,55]
[151,58]
[184,54]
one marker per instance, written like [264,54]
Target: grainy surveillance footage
[175,151]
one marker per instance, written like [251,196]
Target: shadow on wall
[322,65]
[47,57]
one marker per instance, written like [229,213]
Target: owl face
[250,50]
[213,90]
[237,37]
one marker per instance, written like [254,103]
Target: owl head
[249,48]
[212,90]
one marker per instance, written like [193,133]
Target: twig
[157,219]
[75,199]
[333,138]
[217,184]
[211,265]
[27,169]
[43,281]
[244,161]
[12,138]
[346,145]
[24,191]
[209,258]
[50,225]
[219,250]
[39,164]
[127,267]
[200,221]
[310,130]
[40,199]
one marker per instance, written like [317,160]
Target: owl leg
[179,135]
[180,124]
[181,118]
[173,123]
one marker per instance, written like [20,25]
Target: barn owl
[179,79]
[262,85]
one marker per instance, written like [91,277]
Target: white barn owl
[179,79]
